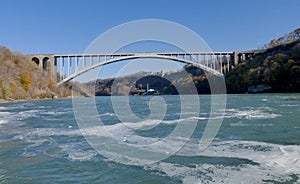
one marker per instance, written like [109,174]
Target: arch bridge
[65,67]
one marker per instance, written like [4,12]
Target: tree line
[287,38]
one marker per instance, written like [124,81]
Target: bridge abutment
[46,62]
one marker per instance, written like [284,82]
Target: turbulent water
[258,142]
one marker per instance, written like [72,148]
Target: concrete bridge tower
[46,62]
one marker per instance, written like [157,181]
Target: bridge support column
[228,58]
[61,68]
[52,69]
[235,58]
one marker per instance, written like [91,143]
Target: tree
[297,33]
[26,80]
[273,43]
[280,40]
[290,36]
[296,51]
[51,85]
[5,53]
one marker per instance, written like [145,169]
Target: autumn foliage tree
[292,36]
[26,80]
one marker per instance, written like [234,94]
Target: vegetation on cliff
[22,79]
[277,67]
[288,38]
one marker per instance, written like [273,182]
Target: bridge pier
[46,62]
[242,56]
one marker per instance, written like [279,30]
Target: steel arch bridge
[70,66]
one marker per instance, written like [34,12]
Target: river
[258,142]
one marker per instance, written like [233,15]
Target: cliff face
[277,69]
[20,78]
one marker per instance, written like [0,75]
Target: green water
[258,142]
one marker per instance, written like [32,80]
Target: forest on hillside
[277,68]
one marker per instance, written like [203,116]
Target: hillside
[162,83]
[277,69]
[22,79]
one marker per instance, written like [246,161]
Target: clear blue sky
[69,26]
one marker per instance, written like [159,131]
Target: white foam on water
[55,113]
[275,161]
[259,113]
[290,98]
[2,121]
[39,141]
[3,108]
[250,114]
[3,114]
[240,124]
[208,173]
[28,154]
[126,132]
[76,153]
[143,124]
[80,155]
[186,113]
[30,113]
[6,117]
[289,105]
[20,116]
[40,133]
[286,157]
[108,114]
[269,162]
[125,127]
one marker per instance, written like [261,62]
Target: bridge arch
[138,56]
[45,63]
[36,60]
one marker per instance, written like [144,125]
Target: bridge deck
[143,53]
